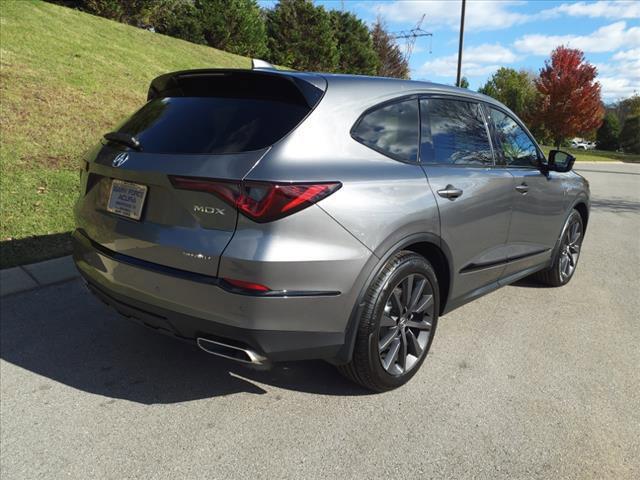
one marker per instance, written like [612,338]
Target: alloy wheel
[570,249]
[406,324]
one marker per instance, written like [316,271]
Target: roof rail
[257,64]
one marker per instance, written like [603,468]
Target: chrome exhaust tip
[232,352]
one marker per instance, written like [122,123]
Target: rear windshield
[211,125]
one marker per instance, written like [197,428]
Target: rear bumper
[280,328]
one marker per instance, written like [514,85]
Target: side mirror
[560,161]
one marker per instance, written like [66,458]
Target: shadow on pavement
[607,171]
[615,204]
[527,282]
[34,249]
[63,333]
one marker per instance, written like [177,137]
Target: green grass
[597,155]
[66,78]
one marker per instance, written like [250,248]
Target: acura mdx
[270,215]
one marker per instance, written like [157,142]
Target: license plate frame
[128,200]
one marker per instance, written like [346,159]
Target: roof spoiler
[260,82]
[257,64]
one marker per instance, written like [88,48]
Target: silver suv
[268,215]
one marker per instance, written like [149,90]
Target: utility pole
[460,43]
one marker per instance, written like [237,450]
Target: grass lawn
[66,78]
[597,155]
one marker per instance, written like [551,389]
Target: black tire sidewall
[411,263]
[556,264]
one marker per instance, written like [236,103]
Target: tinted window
[392,129]
[454,133]
[212,124]
[514,145]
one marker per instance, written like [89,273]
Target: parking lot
[526,382]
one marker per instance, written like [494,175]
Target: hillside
[67,77]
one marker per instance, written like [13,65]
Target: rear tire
[567,254]
[397,324]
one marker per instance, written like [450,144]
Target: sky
[514,33]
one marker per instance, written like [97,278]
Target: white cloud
[477,61]
[615,88]
[621,77]
[480,15]
[628,55]
[606,39]
[602,9]
[486,53]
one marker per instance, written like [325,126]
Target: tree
[355,47]
[630,107]
[233,25]
[464,83]
[391,61]
[133,12]
[607,135]
[179,19]
[515,89]
[300,36]
[630,135]
[625,108]
[570,97]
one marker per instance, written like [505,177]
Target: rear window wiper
[124,139]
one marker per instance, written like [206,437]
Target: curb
[602,162]
[36,275]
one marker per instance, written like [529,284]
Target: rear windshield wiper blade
[124,139]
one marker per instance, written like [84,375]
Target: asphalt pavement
[526,382]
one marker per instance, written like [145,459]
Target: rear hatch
[207,124]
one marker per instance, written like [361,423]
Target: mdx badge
[208,210]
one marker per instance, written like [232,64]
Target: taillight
[261,201]
[247,286]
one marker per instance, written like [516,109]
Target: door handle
[522,188]
[450,192]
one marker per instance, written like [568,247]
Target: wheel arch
[582,209]
[440,263]
[430,246]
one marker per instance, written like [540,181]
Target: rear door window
[212,125]
[515,147]
[392,129]
[453,132]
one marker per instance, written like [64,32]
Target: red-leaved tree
[570,102]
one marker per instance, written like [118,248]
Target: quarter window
[454,133]
[392,130]
[515,147]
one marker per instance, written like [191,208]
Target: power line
[410,36]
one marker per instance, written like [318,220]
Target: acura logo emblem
[120,159]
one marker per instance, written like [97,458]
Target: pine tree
[630,135]
[301,37]
[391,61]
[355,46]
[233,25]
[608,133]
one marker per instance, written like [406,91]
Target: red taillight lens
[228,191]
[260,201]
[250,286]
